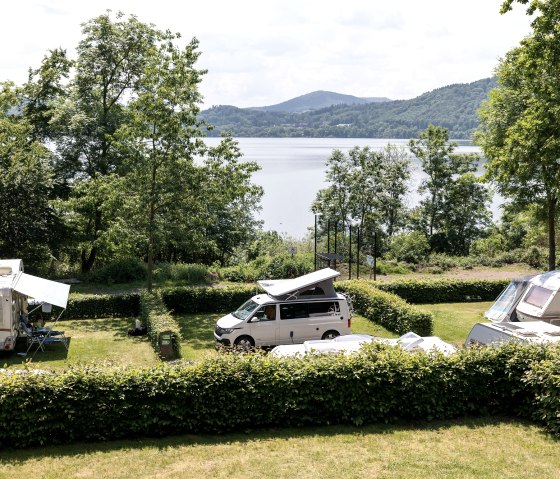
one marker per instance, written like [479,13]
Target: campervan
[15,289]
[532,332]
[290,311]
[533,298]
[352,343]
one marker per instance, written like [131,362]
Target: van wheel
[244,343]
[330,335]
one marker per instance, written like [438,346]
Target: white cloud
[261,53]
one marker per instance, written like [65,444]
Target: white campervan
[15,288]
[292,311]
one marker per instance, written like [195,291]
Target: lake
[293,171]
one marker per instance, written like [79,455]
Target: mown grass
[97,340]
[467,449]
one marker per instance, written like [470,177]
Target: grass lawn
[468,449]
[90,340]
[454,321]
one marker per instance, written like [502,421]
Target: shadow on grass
[14,456]
[21,355]
[198,329]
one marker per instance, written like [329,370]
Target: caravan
[533,298]
[292,311]
[15,289]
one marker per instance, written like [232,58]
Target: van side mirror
[255,319]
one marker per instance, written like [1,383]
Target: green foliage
[379,385]
[102,306]
[410,247]
[120,271]
[187,273]
[265,267]
[386,309]
[544,379]
[158,320]
[453,107]
[444,290]
[206,300]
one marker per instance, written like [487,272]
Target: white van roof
[280,287]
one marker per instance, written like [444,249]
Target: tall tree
[518,130]
[28,218]
[435,152]
[112,59]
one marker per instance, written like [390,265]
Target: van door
[294,323]
[263,325]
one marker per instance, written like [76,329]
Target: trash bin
[165,342]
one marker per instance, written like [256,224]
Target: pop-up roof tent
[319,283]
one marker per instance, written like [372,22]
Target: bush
[187,273]
[544,379]
[158,320]
[206,300]
[82,306]
[410,247]
[386,309]
[444,290]
[121,271]
[264,267]
[380,384]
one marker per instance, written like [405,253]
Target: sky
[263,52]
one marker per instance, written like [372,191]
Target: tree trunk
[551,233]
[88,260]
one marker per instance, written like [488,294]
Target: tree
[435,152]
[518,129]
[28,218]
[112,59]
[160,141]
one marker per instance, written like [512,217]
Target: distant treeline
[452,107]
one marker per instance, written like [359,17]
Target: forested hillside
[453,107]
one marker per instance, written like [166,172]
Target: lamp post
[316,215]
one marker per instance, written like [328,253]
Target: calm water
[293,171]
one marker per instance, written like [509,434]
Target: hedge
[544,379]
[102,306]
[444,290]
[236,392]
[158,320]
[206,300]
[386,309]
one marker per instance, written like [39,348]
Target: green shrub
[158,320]
[206,300]
[289,266]
[81,306]
[410,247]
[386,309]
[444,290]
[121,271]
[380,384]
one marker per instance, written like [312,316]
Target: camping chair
[41,336]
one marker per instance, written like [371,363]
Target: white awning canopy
[43,289]
[281,287]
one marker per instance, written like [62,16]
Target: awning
[43,289]
[280,287]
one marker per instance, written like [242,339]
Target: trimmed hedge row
[380,384]
[386,309]
[102,306]
[206,300]
[544,380]
[444,290]
[158,320]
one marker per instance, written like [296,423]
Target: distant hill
[317,100]
[453,107]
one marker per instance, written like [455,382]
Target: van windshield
[245,309]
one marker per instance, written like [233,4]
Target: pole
[358,257]
[375,255]
[315,257]
[349,251]
[329,241]
[335,235]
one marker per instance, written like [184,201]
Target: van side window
[294,311]
[313,292]
[323,307]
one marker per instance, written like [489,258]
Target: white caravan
[15,288]
[531,332]
[353,342]
[533,298]
[292,311]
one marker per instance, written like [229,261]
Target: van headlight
[220,331]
